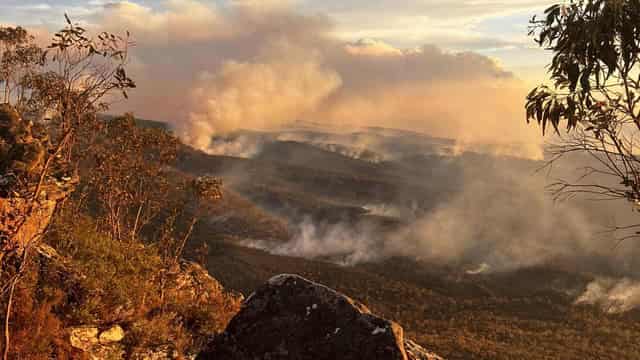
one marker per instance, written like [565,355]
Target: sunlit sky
[496,28]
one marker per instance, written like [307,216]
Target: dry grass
[125,283]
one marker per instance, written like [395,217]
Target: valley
[504,310]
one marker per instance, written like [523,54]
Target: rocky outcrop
[27,199]
[107,345]
[192,282]
[293,318]
[83,337]
[23,219]
[186,281]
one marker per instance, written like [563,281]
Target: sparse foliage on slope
[126,174]
[49,95]
[120,236]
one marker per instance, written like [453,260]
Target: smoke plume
[479,211]
[213,68]
[612,295]
[343,244]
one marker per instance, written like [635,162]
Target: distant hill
[143,122]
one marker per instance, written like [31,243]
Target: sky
[450,68]
[495,28]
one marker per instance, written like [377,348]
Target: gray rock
[293,318]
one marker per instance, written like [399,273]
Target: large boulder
[293,318]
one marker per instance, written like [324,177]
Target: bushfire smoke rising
[213,69]
[343,243]
[495,211]
[612,295]
[502,216]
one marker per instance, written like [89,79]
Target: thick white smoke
[343,244]
[612,295]
[262,94]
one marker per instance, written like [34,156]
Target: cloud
[44,13]
[448,23]
[372,47]
[264,5]
[180,20]
[437,9]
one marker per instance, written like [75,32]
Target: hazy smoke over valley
[478,209]
[503,217]
[340,243]
[612,295]
[262,65]
[497,217]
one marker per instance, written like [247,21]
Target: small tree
[83,75]
[595,92]
[68,83]
[20,59]
[127,173]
